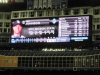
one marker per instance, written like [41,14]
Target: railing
[61,60]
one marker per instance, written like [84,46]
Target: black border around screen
[58,43]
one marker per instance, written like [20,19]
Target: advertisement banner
[8,61]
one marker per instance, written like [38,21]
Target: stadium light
[3,1]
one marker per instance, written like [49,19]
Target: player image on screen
[17,28]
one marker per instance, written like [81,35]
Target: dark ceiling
[71,3]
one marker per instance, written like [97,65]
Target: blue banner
[64,3]
[30,4]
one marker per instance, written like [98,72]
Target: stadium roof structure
[7,7]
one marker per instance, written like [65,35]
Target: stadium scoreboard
[64,29]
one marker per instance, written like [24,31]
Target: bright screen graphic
[48,30]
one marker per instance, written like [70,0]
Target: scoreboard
[71,29]
[74,26]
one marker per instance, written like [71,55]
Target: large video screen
[69,29]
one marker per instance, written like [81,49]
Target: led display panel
[70,29]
